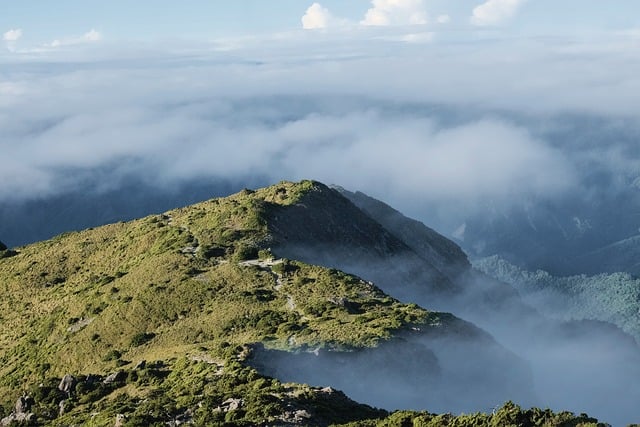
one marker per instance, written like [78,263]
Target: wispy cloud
[396,12]
[369,112]
[494,12]
[443,19]
[12,35]
[91,36]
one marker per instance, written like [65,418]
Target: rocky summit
[288,305]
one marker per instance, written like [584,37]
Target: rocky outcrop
[22,412]
[115,377]
[68,384]
[230,404]
[121,419]
[140,365]
[24,404]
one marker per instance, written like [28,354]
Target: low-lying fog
[581,366]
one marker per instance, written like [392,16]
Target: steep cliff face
[405,258]
[431,246]
[324,227]
[476,296]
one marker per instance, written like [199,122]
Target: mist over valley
[361,213]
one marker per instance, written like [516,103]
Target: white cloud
[443,19]
[396,12]
[186,117]
[92,36]
[382,13]
[493,12]
[316,17]
[88,37]
[471,161]
[425,37]
[12,35]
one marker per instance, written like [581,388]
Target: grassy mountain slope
[167,286]
[157,319]
[94,204]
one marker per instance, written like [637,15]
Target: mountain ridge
[443,253]
[190,289]
[218,313]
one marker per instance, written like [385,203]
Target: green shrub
[112,355]
[280,268]
[141,338]
[265,254]
[245,252]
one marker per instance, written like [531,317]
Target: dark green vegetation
[5,252]
[197,390]
[157,318]
[509,414]
[613,297]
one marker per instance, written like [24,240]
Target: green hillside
[608,297]
[157,320]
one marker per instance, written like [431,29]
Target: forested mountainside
[613,297]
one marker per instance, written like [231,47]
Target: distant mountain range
[573,235]
[613,298]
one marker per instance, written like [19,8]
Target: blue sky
[147,19]
[42,22]
[144,19]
